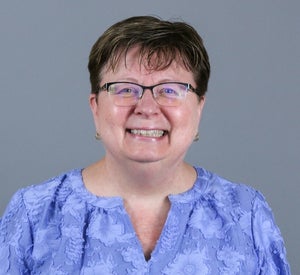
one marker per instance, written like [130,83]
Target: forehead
[146,62]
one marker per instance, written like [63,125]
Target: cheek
[186,119]
[111,118]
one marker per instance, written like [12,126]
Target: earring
[196,138]
[97,136]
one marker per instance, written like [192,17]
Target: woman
[142,209]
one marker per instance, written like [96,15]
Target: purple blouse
[216,227]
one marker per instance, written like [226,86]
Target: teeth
[147,133]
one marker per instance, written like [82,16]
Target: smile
[147,133]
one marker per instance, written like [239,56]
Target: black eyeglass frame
[188,86]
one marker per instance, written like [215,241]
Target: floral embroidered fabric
[217,227]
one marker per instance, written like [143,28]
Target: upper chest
[107,240]
[148,225]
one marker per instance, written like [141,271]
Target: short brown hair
[167,41]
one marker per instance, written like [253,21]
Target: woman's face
[120,127]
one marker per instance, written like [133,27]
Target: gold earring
[97,136]
[196,138]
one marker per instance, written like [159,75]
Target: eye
[168,92]
[125,90]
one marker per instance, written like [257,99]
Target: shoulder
[34,200]
[50,189]
[225,193]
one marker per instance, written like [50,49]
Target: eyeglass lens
[166,94]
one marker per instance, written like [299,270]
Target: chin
[146,159]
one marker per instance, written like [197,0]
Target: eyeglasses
[165,94]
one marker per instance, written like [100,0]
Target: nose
[147,104]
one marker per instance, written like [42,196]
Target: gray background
[250,130]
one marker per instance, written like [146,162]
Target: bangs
[155,58]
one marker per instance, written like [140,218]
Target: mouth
[153,133]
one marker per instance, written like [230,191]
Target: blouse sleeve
[15,238]
[268,240]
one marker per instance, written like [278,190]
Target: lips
[154,133]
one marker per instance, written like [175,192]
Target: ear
[93,101]
[201,106]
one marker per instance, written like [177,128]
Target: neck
[138,180]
